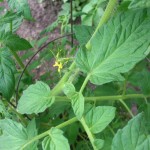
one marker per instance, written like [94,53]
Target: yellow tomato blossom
[59,65]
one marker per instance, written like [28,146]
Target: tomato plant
[102,98]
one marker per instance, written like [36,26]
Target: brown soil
[44,14]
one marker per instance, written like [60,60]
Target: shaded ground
[44,14]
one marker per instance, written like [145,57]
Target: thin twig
[71,21]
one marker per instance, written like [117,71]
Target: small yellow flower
[59,65]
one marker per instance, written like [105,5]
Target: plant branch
[71,21]
[90,135]
[16,55]
[62,125]
[107,14]
[103,98]
[124,86]
[15,112]
[84,84]
[111,130]
[19,61]
[126,107]
[11,26]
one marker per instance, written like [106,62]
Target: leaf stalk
[46,133]
[89,133]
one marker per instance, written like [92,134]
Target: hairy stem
[71,20]
[126,107]
[47,132]
[17,114]
[103,98]
[16,55]
[19,61]
[90,135]
[111,130]
[11,26]
[107,14]
[84,83]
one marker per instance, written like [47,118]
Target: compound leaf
[15,135]
[7,79]
[133,136]
[116,47]
[55,141]
[35,99]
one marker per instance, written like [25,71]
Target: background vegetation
[93,88]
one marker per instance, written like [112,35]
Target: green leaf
[15,135]
[133,136]
[99,143]
[8,17]
[145,145]
[21,6]
[116,47]
[3,110]
[58,108]
[77,99]
[92,12]
[7,79]
[72,132]
[139,4]
[98,118]
[32,132]
[35,99]
[147,115]
[83,33]
[14,42]
[15,25]
[55,141]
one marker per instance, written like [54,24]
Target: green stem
[11,26]
[15,112]
[126,107]
[90,135]
[16,55]
[103,98]
[108,12]
[73,76]
[112,131]
[19,61]
[124,87]
[47,132]
[84,84]
[58,88]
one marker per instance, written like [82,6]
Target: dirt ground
[44,13]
